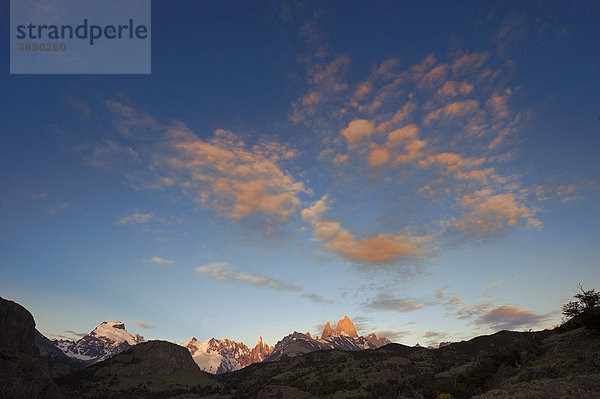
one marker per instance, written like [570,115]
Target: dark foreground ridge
[559,363]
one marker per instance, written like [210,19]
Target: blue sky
[430,171]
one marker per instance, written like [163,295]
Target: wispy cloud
[225,271]
[495,286]
[317,298]
[36,196]
[159,261]
[385,301]
[470,311]
[136,218]
[432,334]
[392,335]
[59,208]
[140,324]
[77,334]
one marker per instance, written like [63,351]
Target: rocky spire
[260,351]
[346,326]
[327,331]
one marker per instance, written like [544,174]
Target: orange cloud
[453,110]
[452,89]
[491,213]
[357,130]
[406,137]
[436,77]
[324,230]
[378,156]
[381,249]
[468,63]
[313,213]
[400,115]
[456,164]
[324,81]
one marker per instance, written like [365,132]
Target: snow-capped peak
[115,331]
[106,340]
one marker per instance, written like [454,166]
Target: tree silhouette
[587,302]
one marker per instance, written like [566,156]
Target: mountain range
[344,337]
[216,356]
[557,363]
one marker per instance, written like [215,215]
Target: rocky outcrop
[22,373]
[17,328]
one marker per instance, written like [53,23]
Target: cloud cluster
[447,123]
[222,171]
[235,179]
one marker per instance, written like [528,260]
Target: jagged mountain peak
[345,326]
[327,331]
